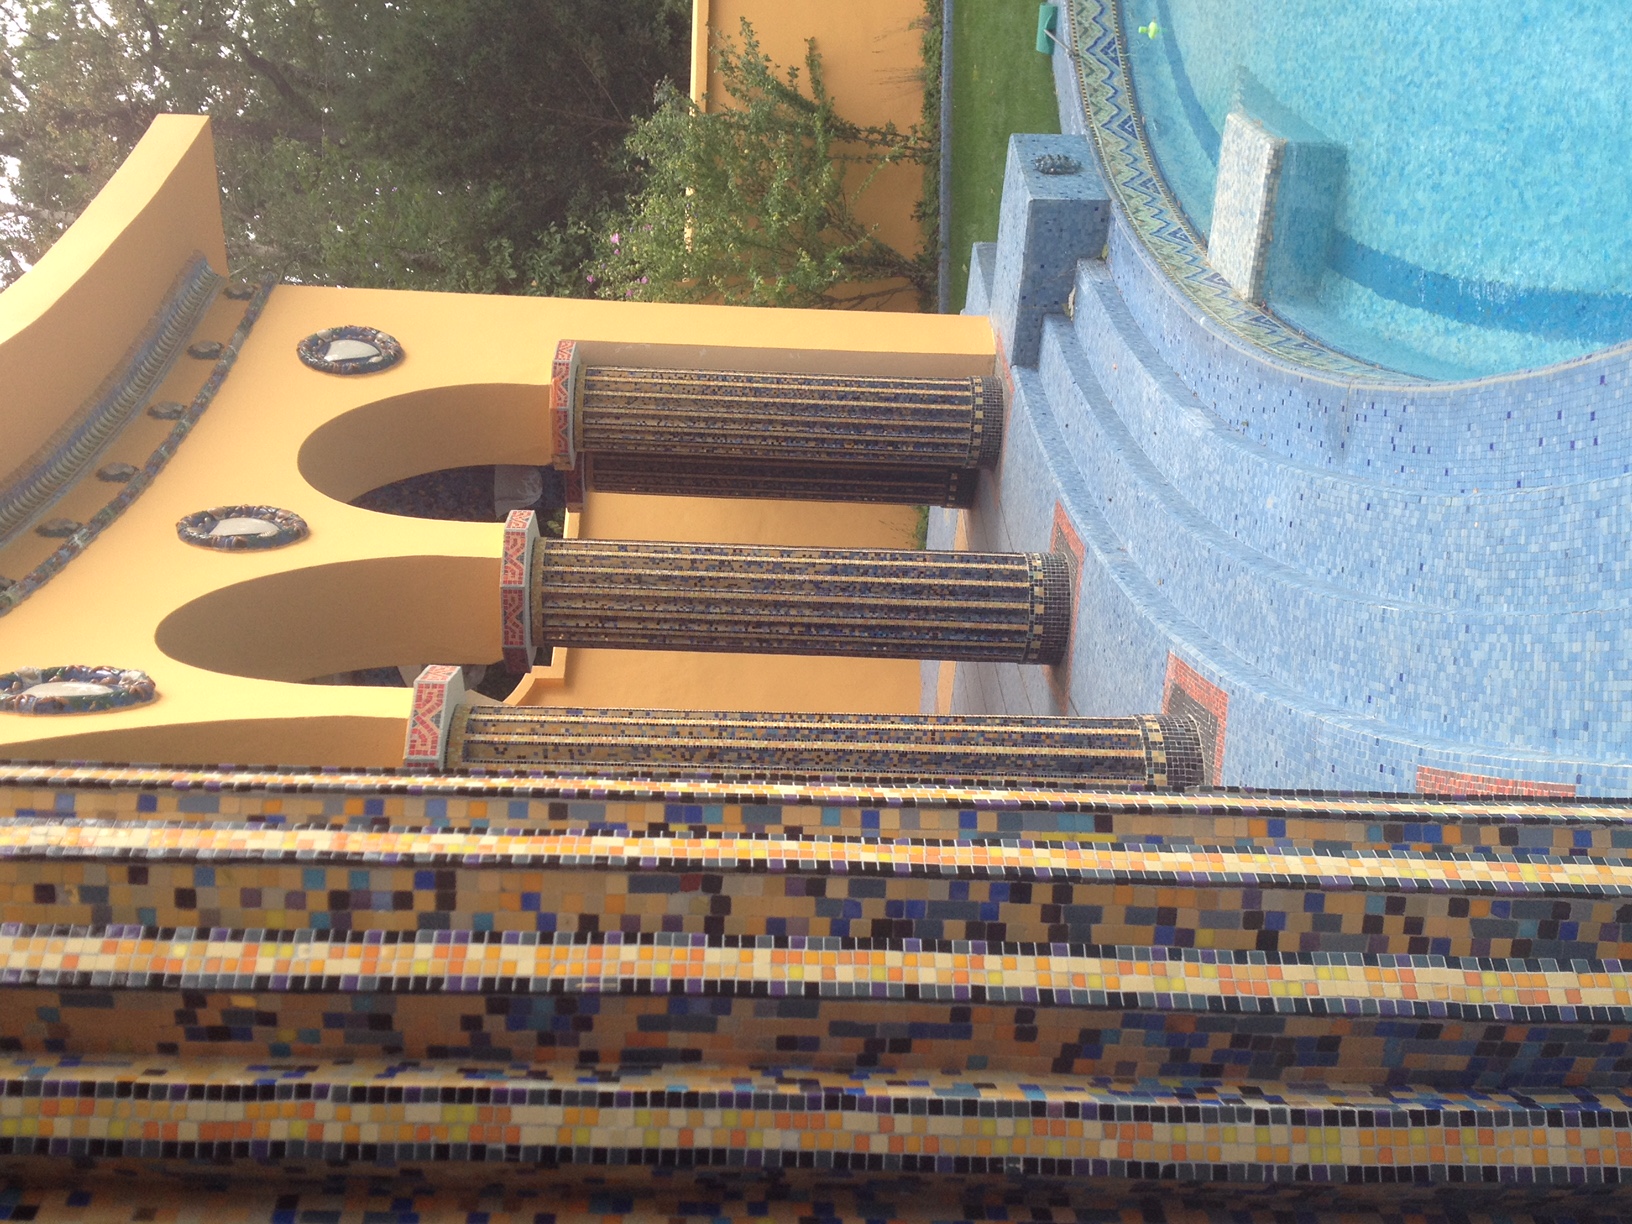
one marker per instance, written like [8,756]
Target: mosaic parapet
[1139,751]
[374,798]
[764,1120]
[777,600]
[783,1197]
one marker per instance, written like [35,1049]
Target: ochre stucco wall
[225,634]
[67,323]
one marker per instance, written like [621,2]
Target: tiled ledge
[389,1114]
[1327,868]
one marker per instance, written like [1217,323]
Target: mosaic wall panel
[1282,733]
[1457,660]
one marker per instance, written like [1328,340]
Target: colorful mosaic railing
[1098,43]
[1195,1004]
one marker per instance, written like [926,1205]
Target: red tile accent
[1444,782]
[562,390]
[519,531]
[1183,678]
[425,723]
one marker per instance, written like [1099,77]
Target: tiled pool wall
[1385,584]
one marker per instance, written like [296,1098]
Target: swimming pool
[1485,223]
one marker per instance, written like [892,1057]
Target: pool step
[1458,548]
[1407,663]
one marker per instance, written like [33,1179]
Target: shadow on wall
[426,431]
[343,617]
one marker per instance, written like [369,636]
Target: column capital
[516,591]
[565,425]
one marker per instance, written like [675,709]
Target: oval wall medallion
[167,410]
[205,350]
[116,473]
[349,350]
[73,690]
[58,528]
[240,528]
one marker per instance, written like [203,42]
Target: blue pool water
[1485,223]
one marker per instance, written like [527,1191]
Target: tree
[753,202]
[457,144]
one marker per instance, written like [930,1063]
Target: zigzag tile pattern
[1117,130]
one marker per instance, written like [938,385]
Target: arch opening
[430,430]
[350,616]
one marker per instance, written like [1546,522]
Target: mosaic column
[828,437]
[1140,751]
[880,603]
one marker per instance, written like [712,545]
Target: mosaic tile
[1154,752]
[387,1113]
[860,602]
[1117,131]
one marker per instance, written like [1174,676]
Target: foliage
[451,144]
[998,87]
[753,202]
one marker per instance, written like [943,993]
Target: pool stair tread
[1359,533]
[1393,659]
[1538,427]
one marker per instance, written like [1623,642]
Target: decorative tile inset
[564,419]
[1445,782]
[243,528]
[349,350]
[73,690]
[515,590]
[437,693]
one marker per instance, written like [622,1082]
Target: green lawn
[1000,85]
